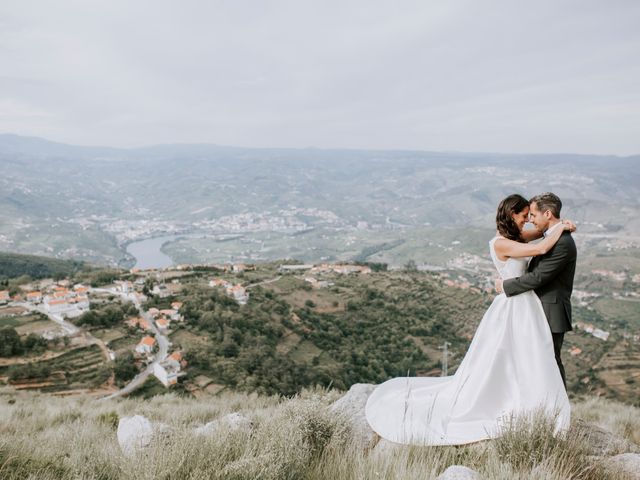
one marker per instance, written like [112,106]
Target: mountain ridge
[26,142]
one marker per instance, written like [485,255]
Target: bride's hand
[569,225]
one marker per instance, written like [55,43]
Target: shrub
[111,419]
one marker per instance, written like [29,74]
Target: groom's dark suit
[551,276]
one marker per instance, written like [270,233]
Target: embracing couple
[513,365]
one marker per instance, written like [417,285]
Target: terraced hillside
[78,368]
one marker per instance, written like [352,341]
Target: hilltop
[285,438]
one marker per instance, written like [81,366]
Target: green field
[616,310]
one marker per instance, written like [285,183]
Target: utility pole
[445,358]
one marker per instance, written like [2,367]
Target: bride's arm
[531,235]
[511,248]
[534,233]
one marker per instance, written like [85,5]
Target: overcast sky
[473,75]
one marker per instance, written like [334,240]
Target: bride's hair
[506,226]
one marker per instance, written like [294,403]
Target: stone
[627,464]
[602,442]
[458,472]
[134,434]
[351,408]
[232,422]
[137,432]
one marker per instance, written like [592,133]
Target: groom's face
[538,218]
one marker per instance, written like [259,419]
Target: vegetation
[124,368]
[11,344]
[82,367]
[107,316]
[14,265]
[296,438]
[289,337]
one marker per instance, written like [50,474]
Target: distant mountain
[34,146]
[87,202]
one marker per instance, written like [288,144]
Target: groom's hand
[499,286]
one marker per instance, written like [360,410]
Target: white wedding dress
[509,369]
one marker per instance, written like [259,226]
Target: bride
[509,368]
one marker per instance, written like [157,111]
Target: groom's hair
[548,201]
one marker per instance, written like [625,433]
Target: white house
[57,305]
[146,345]
[239,294]
[34,297]
[601,334]
[162,325]
[172,314]
[167,371]
[4,296]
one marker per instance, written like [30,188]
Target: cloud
[449,75]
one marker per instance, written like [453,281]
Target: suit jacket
[551,277]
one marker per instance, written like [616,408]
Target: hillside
[45,437]
[13,265]
[295,331]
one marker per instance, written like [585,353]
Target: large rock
[351,408]
[137,432]
[627,464]
[232,422]
[458,472]
[134,434]
[602,442]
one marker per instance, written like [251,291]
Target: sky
[511,76]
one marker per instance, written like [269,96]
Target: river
[148,252]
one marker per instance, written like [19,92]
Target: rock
[351,407]
[232,422]
[134,434]
[458,472]
[602,442]
[137,432]
[625,464]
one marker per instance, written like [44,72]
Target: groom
[550,275]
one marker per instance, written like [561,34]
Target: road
[163,348]
[69,328]
[271,280]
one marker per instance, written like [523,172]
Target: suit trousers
[558,338]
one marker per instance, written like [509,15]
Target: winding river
[148,253]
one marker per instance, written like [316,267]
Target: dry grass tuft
[45,437]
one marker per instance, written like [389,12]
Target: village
[62,302]
[286,220]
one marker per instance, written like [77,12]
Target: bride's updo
[504,220]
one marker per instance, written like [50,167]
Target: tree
[34,343]
[411,266]
[10,344]
[125,368]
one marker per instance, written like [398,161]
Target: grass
[10,321]
[45,437]
[109,335]
[618,309]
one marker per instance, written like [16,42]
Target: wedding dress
[508,370]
